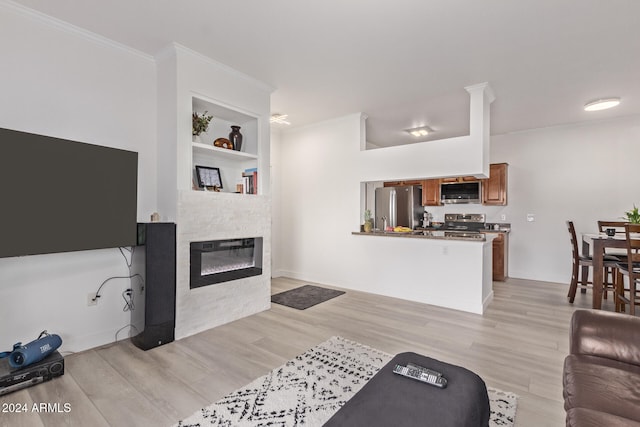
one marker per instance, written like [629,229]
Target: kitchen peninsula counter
[436,234]
[428,267]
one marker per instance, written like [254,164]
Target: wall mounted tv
[61,196]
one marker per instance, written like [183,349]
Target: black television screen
[61,196]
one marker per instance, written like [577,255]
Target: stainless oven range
[464,225]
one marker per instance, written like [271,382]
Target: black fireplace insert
[218,261]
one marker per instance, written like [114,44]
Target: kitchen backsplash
[494,213]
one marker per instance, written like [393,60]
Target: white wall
[580,172]
[583,173]
[61,81]
[318,195]
[276,201]
[463,155]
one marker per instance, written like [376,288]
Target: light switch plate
[531,217]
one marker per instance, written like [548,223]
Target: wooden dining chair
[582,263]
[618,226]
[621,254]
[630,269]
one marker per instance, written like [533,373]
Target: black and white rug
[305,296]
[308,390]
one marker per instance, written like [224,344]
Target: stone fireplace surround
[205,216]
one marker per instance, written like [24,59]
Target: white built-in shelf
[222,152]
[231,163]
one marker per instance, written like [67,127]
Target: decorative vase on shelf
[236,138]
[196,138]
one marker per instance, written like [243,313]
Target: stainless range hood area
[461,192]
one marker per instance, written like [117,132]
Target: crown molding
[71,29]
[174,48]
[485,87]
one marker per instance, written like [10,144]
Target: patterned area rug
[305,296]
[308,390]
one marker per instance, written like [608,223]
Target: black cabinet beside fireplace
[154,316]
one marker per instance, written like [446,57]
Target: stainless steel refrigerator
[401,206]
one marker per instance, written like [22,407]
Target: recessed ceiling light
[601,104]
[279,119]
[421,131]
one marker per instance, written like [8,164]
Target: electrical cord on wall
[127,296]
[128,262]
[113,278]
[128,293]
[126,326]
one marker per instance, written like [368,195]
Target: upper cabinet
[431,192]
[401,183]
[494,188]
[459,179]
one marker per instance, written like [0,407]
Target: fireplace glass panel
[220,261]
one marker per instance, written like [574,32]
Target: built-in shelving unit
[210,150]
[232,163]
[190,82]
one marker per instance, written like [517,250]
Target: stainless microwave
[461,192]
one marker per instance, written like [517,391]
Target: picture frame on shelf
[208,177]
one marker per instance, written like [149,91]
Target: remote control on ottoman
[414,390]
[420,373]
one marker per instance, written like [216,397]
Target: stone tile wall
[204,216]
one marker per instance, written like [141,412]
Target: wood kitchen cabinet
[500,256]
[460,179]
[494,188]
[401,183]
[430,189]
[431,192]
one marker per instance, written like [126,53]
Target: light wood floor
[518,345]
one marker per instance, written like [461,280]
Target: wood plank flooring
[518,345]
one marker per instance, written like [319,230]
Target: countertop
[502,228]
[424,234]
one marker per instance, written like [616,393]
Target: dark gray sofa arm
[605,334]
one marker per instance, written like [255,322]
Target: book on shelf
[250,181]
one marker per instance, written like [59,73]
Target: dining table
[598,242]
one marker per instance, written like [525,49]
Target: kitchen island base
[450,273]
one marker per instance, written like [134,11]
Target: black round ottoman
[389,399]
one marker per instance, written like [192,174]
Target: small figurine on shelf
[223,143]
[199,124]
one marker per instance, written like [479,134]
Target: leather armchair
[601,376]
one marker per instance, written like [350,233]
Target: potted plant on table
[199,124]
[632,216]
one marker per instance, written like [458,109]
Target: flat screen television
[62,196]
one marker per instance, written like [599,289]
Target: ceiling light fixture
[279,119]
[421,131]
[601,104]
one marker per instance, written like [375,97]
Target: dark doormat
[305,296]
